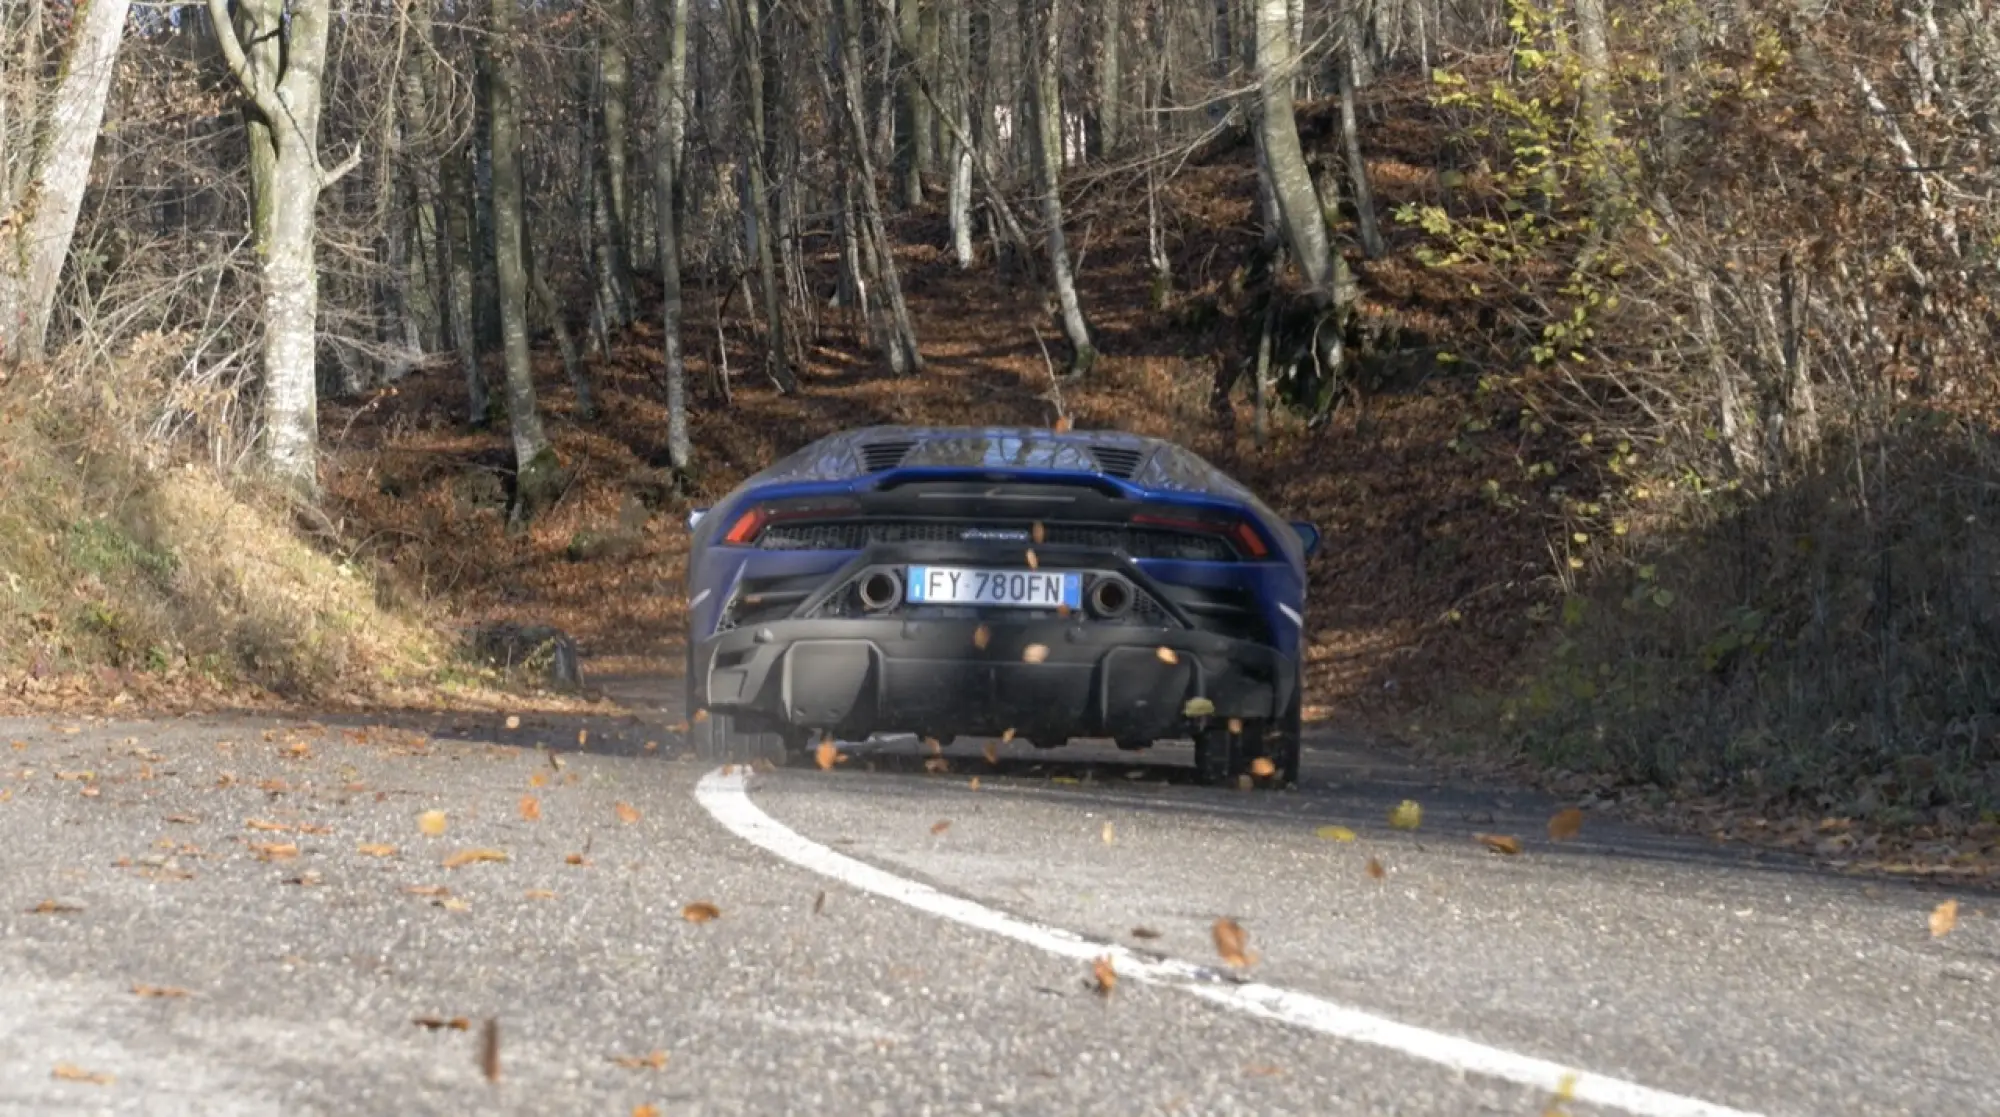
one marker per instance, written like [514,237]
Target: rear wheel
[723,739]
[1219,755]
[1279,743]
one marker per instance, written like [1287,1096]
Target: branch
[328,178]
[264,94]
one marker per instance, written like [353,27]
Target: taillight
[1253,544]
[1239,532]
[746,527]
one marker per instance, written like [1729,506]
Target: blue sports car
[951,582]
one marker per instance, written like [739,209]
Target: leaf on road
[436,1023]
[453,904]
[1565,824]
[627,813]
[655,1060]
[53,907]
[489,1050]
[1197,708]
[70,1072]
[466,857]
[513,721]
[181,819]
[160,991]
[1263,768]
[1565,1094]
[701,911]
[940,826]
[1232,942]
[1144,933]
[314,828]
[826,755]
[539,780]
[427,890]
[1103,976]
[1034,653]
[647,1110]
[819,902]
[274,851]
[1406,815]
[531,809]
[974,785]
[992,753]
[1110,833]
[1375,869]
[981,636]
[1166,654]
[375,849]
[266,824]
[1499,843]
[431,823]
[1334,833]
[576,859]
[1943,918]
[538,894]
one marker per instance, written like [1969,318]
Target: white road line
[726,797]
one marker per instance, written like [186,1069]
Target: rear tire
[1219,755]
[1280,743]
[720,739]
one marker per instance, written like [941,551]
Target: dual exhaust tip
[1110,596]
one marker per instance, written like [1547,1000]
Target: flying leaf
[1110,833]
[582,737]
[627,813]
[701,911]
[431,823]
[981,636]
[655,1060]
[1063,424]
[70,1072]
[1033,562]
[466,857]
[1335,833]
[1197,708]
[434,1023]
[1236,725]
[1166,654]
[1038,533]
[1375,869]
[974,785]
[1034,653]
[274,851]
[1104,976]
[934,746]
[1006,735]
[513,721]
[698,716]
[1943,918]
[375,849]
[1499,843]
[940,826]
[489,1050]
[531,808]
[1565,824]
[159,991]
[992,753]
[1231,941]
[827,754]
[646,1110]
[1263,768]
[1406,815]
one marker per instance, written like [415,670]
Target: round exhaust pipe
[879,590]
[1111,596]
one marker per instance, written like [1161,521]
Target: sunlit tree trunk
[671,103]
[1043,43]
[1291,183]
[750,43]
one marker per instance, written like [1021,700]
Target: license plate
[1033,589]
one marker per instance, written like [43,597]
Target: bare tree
[747,29]
[670,101]
[1291,183]
[41,194]
[1042,37]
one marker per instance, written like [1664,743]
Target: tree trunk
[1044,46]
[750,42]
[283,89]
[32,252]
[1291,182]
[1357,166]
[898,335]
[671,103]
[615,90]
[551,308]
[419,168]
[536,470]
[1109,121]
[959,205]
[915,154]
[459,256]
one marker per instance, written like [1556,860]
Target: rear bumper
[856,676]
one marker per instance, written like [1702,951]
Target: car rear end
[1028,583]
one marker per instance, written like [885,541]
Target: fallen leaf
[85,776]
[819,902]
[1406,815]
[274,851]
[981,636]
[531,808]
[182,819]
[427,890]
[653,746]
[1104,976]
[375,849]
[538,780]
[314,828]
[1499,843]
[1944,917]
[489,1050]
[701,911]
[311,878]
[1144,933]
[466,857]
[647,1110]
[1230,942]
[627,813]
[265,824]
[826,755]
[1197,708]
[1375,869]
[576,859]
[940,826]
[538,894]
[513,721]
[453,904]
[1166,654]
[431,823]
[70,1072]
[1034,653]
[1262,1070]
[434,1023]
[1110,833]
[1335,833]
[160,991]
[656,1060]
[90,791]
[1263,768]
[1565,824]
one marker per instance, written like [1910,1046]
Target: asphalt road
[869,959]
